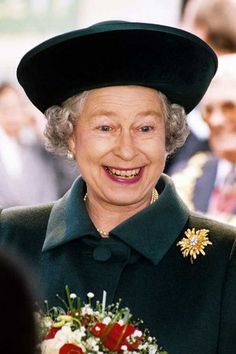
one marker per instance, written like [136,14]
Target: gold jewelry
[105,234]
[155,196]
[194,243]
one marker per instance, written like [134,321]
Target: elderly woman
[115,97]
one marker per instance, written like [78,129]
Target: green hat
[171,60]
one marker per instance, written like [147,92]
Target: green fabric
[113,53]
[190,308]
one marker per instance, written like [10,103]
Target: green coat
[190,308]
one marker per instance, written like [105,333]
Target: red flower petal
[129,331]
[115,336]
[51,334]
[70,349]
[98,329]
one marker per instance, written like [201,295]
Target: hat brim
[171,60]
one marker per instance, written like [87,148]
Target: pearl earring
[70,155]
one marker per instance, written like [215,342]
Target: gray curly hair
[62,119]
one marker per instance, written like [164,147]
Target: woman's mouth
[124,175]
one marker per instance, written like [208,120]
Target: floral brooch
[194,243]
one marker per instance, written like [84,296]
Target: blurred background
[25,23]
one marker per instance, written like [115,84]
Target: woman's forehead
[129,95]
[131,100]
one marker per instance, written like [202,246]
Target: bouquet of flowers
[83,328]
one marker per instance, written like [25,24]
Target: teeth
[123,173]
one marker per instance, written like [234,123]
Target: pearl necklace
[105,234]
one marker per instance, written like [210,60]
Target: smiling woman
[122,227]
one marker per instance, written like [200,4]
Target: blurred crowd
[204,170]
[28,174]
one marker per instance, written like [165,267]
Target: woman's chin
[125,198]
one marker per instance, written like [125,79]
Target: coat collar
[150,232]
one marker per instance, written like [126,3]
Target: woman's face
[119,143]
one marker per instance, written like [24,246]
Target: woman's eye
[105,128]
[146,128]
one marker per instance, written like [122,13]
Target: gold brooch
[194,243]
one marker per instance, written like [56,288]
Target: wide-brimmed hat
[171,60]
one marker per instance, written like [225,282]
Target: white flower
[90,295]
[137,333]
[97,329]
[73,296]
[121,322]
[92,344]
[124,347]
[78,334]
[87,310]
[106,320]
[64,334]
[52,346]
[47,322]
[153,349]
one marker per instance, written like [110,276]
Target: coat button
[102,253]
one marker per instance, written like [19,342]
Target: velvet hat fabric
[171,60]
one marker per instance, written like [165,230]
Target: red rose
[116,335]
[70,349]
[51,334]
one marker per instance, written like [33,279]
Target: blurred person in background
[214,22]
[207,182]
[28,173]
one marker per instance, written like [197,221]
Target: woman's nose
[126,146]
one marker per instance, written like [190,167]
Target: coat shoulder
[22,216]
[219,231]
[24,226]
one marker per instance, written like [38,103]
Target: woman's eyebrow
[150,113]
[113,113]
[103,112]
